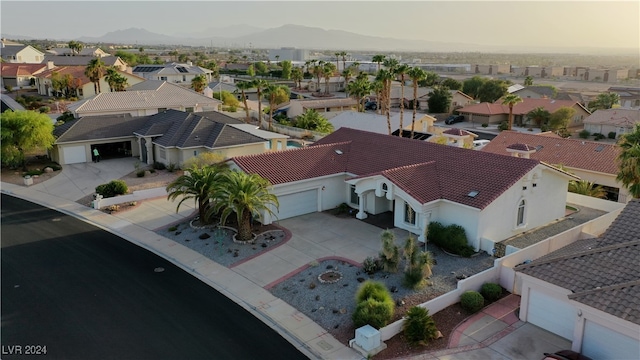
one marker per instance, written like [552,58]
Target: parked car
[565,355]
[454,119]
[371,105]
[479,144]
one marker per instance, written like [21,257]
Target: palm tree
[511,100]
[297,76]
[242,86]
[359,88]
[355,66]
[198,83]
[377,87]
[271,92]
[318,71]
[588,188]
[246,195]
[385,76]
[539,116]
[629,161]
[95,70]
[259,84]
[378,59]
[344,54]
[327,71]
[416,74]
[401,70]
[111,77]
[197,185]
[347,74]
[337,55]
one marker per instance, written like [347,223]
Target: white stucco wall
[449,213]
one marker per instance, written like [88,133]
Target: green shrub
[503,126]
[598,136]
[484,125]
[171,167]
[472,301]
[544,127]
[373,290]
[55,166]
[44,109]
[491,291]
[452,238]
[584,134]
[140,173]
[372,312]
[34,172]
[419,326]
[436,232]
[173,228]
[159,165]
[113,188]
[612,135]
[413,279]
[371,265]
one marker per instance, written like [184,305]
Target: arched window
[384,187]
[521,210]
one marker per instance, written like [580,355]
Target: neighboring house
[20,75]
[21,54]
[84,61]
[145,98]
[589,291]
[619,121]
[592,161]
[84,87]
[336,83]
[170,137]
[87,51]
[396,95]
[174,72]
[629,96]
[493,197]
[495,113]
[536,92]
[328,108]
[458,99]
[9,104]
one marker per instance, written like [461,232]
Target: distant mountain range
[304,37]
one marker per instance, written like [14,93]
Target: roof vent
[539,147]
[599,148]
[473,193]
[339,152]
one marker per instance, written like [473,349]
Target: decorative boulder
[48,170]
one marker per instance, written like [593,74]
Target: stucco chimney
[50,65]
[521,150]
[457,136]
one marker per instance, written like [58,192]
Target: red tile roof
[579,154]
[14,69]
[521,147]
[458,132]
[522,108]
[425,170]
[77,72]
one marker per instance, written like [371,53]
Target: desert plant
[373,289]
[372,312]
[159,165]
[472,301]
[44,109]
[112,188]
[491,291]
[418,265]
[584,134]
[371,265]
[419,326]
[484,125]
[390,254]
[612,135]
[171,167]
[140,173]
[173,228]
[34,172]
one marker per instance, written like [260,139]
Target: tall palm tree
[377,87]
[347,74]
[197,185]
[198,83]
[539,116]
[359,88]
[386,76]
[246,195]
[401,70]
[271,92]
[378,59]
[416,74]
[297,76]
[95,70]
[259,84]
[337,55]
[629,161]
[327,71]
[511,100]
[355,66]
[343,54]
[242,86]
[318,71]
[111,77]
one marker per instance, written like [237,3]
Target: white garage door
[296,204]
[551,314]
[603,343]
[74,154]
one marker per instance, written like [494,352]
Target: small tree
[390,254]
[560,119]
[314,121]
[452,84]
[198,83]
[419,326]
[629,161]
[24,131]
[374,305]
[439,100]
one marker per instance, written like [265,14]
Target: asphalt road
[87,294]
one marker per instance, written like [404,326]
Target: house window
[162,110]
[189,109]
[164,78]
[354,199]
[162,153]
[195,152]
[409,214]
[184,77]
[521,213]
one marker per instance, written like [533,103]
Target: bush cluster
[452,238]
[612,135]
[375,305]
[419,326]
[371,265]
[159,165]
[491,291]
[584,134]
[112,188]
[597,136]
[472,301]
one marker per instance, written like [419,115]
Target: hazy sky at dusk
[537,23]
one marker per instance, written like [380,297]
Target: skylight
[339,152]
[473,193]
[599,148]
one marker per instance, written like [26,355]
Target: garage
[114,150]
[74,154]
[551,314]
[600,342]
[298,203]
